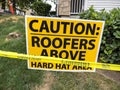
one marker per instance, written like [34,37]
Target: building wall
[64,7]
[101,4]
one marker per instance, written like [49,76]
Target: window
[76,6]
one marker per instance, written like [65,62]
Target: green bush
[41,8]
[110,47]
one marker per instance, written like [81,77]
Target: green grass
[14,74]
[83,81]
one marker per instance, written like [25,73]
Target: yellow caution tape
[60,60]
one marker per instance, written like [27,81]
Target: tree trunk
[14,6]
[3,4]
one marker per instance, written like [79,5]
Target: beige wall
[64,8]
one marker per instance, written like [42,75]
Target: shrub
[41,8]
[110,46]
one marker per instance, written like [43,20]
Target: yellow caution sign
[72,39]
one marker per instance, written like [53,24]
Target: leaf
[117,34]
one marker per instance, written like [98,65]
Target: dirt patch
[113,75]
[48,81]
[12,35]
[12,18]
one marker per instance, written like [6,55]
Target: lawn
[14,74]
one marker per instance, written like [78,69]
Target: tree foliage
[38,6]
[3,4]
[24,4]
[41,8]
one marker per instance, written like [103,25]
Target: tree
[3,4]
[14,5]
[22,4]
[41,8]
